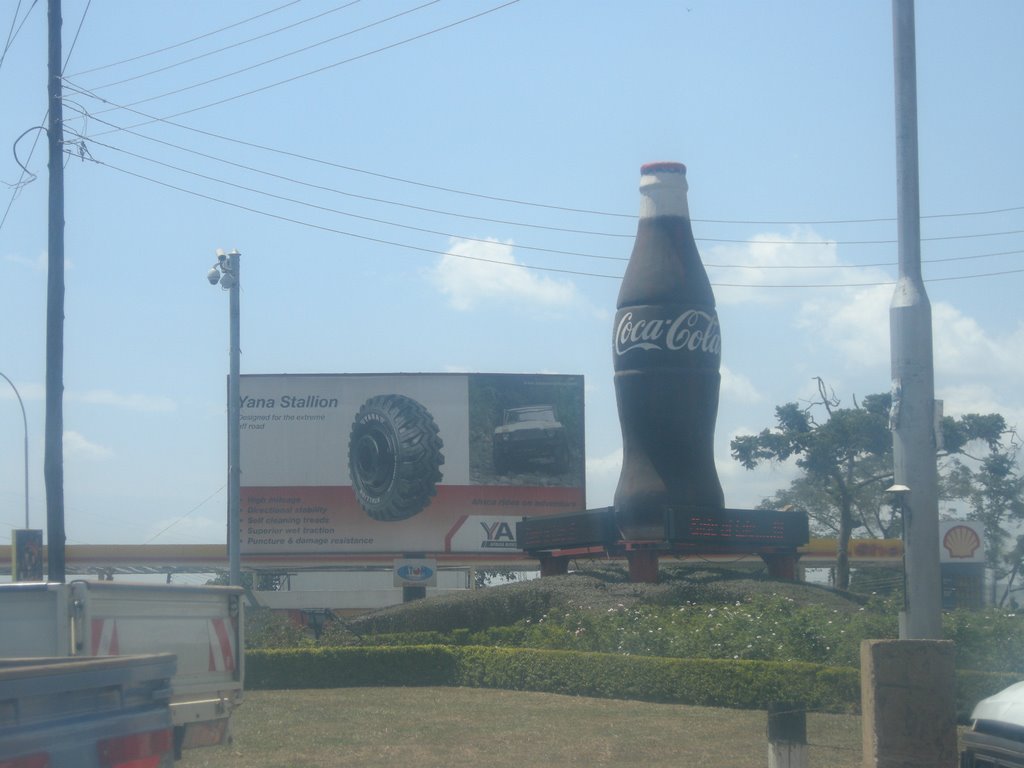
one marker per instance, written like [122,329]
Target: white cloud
[602,478]
[745,488]
[738,388]
[106,397]
[130,402]
[969,361]
[474,273]
[961,345]
[39,264]
[76,446]
[979,397]
[854,322]
[744,273]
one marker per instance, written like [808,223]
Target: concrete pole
[234,428]
[913,383]
[53,458]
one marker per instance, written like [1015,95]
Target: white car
[996,737]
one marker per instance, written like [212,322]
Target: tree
[846,460]
[847,464]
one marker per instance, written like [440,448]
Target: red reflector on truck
[139,750]
[38,760]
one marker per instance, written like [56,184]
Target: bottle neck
[663,194]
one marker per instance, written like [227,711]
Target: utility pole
[226,272]
[913,380]
[53,465]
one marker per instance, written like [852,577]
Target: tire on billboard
[394,457]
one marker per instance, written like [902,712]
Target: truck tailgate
[202,626]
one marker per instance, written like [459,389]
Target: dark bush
[349,667]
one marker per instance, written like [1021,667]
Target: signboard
[874,550]
[393,463]
[28,555]
[415,572]
[962,541]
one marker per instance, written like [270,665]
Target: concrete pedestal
[553,566]
[909,715]
[643,566]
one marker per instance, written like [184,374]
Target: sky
[451,186]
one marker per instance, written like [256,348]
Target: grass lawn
[456,727]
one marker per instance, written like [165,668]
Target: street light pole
[913,378]
[226,272]
[24,421]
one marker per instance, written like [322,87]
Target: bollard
[787,735]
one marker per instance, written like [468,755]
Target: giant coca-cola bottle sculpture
[667,351]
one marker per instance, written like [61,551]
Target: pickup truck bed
[86,713]
[201,626]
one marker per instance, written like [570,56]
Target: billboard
[399,463]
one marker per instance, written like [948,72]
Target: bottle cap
[662,167]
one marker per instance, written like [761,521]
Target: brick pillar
[553,566]
[781,566]
[643,566]
[907,706]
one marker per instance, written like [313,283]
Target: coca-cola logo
[692,330]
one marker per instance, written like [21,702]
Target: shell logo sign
[961,542]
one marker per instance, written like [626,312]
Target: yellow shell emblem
[961,542]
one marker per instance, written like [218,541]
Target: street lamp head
[213,275]
[898,490]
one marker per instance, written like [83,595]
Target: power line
[489,220]
[438,252]
[540,226]
[333,230]
[197,506]
[13,33]
[276,58]
[858,242]
[860,266]
[869,284]
[227,47]
[21,182]
[186,42]
[327,67]
[361,217]
[355,195]
[77,33]
[485,240]
[493,198]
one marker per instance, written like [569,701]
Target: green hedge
[705,682]
[349,667]
[735,684]
[702,682]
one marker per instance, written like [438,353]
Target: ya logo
[498,534]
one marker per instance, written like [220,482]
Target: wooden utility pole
[53,465]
